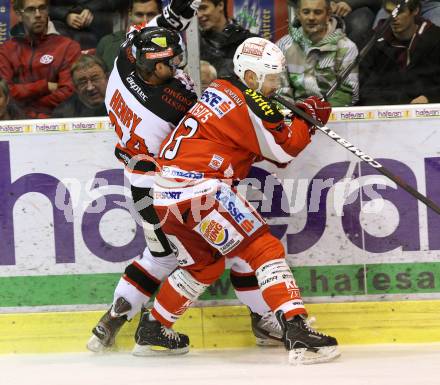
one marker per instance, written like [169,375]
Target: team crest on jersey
[218,102]
[216,162]
[46,59]
[219,232]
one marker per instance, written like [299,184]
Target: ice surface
[359,365]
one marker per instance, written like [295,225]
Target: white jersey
[143,115]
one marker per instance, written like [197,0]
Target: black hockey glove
[185,8]
[177,15]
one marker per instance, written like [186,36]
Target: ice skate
[104,333]
[266,329]
[306,345]
[153,338]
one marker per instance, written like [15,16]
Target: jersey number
[170,153]
[135,145]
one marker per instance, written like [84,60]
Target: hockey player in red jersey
[230,127]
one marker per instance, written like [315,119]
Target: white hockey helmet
[260,56]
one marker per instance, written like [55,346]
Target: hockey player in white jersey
[146,97]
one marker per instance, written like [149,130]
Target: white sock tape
[185,284]
[273,272]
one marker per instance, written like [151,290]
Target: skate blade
[303,356]
[95,345]
[151,350]
[268,342]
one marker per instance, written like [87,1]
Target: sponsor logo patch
[136,87]
[214,232]
[173,172]
[219,232]
[261,102]
[167,195]
[253,49]
[218,102]
[159,55]
[238,211]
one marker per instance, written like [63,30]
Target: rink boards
[229,326]
[369,266]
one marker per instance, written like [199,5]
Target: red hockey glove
[317,108]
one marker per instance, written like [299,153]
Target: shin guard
[279,288]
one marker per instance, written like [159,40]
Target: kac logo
[46,59]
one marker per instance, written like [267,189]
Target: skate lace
[170,333]
[269,322]
[308,324]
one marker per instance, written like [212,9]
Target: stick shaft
[359,153]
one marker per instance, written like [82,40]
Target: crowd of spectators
[139,11]
[405,64]
[84,21]
[36,60]
[316,51]
[59,54]
[89,75]
[8,110]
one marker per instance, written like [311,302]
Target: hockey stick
[356,151]
[346,144]
[364,51]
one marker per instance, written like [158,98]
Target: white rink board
[76,157]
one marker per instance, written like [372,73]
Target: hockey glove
[185,8]
[317,108]
[185,79]
[177,15]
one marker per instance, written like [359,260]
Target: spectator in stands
[84,21]
[358,15]
[90,79]
[429,10]
[8,110]
[316,53]
[207,74]
[140,11]
[36,61]
[404,66]
[219,36]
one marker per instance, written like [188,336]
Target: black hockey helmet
[154,45]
